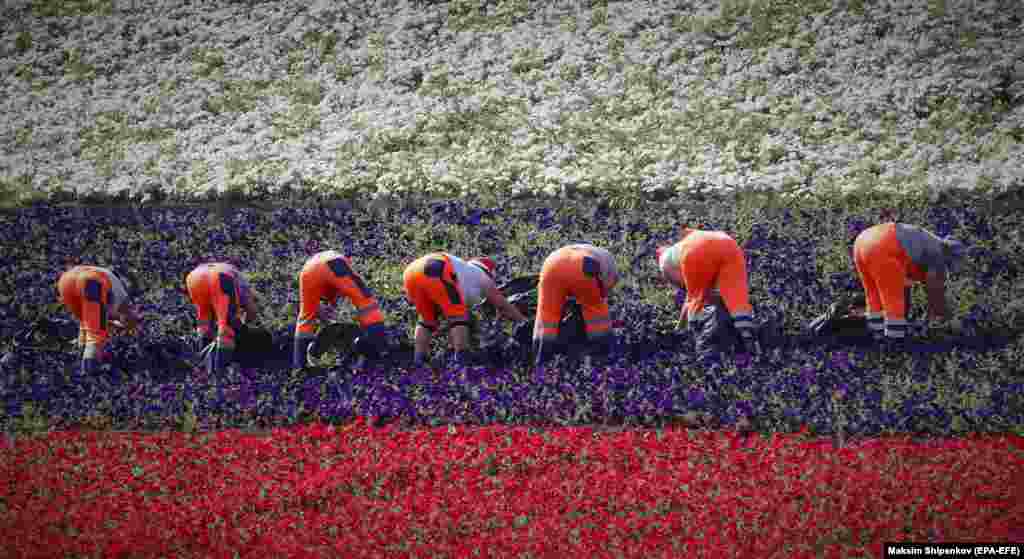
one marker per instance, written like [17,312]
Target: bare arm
[499,301]
[251,310]
[936,283]
[611,281]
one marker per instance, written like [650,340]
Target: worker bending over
[441,284]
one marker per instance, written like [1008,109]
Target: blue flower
[695,397]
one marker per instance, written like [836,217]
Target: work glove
[299,350]
[822,325]
[201,342]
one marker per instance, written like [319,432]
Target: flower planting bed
[953,382]
[815,448]
[354,491]
[856,446]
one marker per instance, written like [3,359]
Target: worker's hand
[936,284]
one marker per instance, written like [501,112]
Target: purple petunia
[648,370]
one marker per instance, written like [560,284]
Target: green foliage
[67,8]
[188,421]
[634,119]
[462,13]
[322,43]
[30,422]
[242,173]
[104,141]
[23,136]
[526,60]
[24,72]
[344,71]
[776,19]
[570,23]
[296,121]
[17,191]
[378,55]
[207,61]
[239,96]
[76,68]
[196,181]
[151,104]
[465,15]
[23,41]
[306,92]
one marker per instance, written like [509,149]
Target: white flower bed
[521,97]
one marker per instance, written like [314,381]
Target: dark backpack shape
[520,285]
[842,321]
[253,345]
[572,328]
[339,336]
[523,293]
[520,292]
[46,329]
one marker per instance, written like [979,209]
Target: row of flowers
[178,99]
[354,491]
[798,259]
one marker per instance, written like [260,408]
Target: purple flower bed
[969,382]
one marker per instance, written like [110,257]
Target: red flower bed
[319,491]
